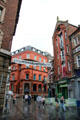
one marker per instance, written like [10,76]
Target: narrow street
[23,111]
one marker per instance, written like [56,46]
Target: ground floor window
[39,88]
[34,87]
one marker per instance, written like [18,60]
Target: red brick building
[62,55]
[31,77]
[9,14]
[74,86]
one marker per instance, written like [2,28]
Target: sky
[38,19]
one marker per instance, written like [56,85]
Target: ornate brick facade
[29,77]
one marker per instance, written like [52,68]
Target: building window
[12,87]
[44,78]
[67,49]
[1,37]
[34,49]
[39,67]
[34,77]
[44,69]
[61,41]
[78,60]
[65,35]
[76,41]
[39,59]
[14,68]
[34,66]
[27,76]
[44,61]
[1,9]
[69,66]
[27,66]
[2,13]
[39,77]
[39,88]
[28,56]
[34,87]
[44,87]
[13,77]
[19,57]
[35,57]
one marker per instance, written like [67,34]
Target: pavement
[22,111]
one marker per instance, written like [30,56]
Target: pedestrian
[62,106]
[34,98]
[57,102]
[39,98]
[14,98]
[29,99]
[43,101]
[26,97]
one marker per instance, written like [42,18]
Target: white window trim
[1,37]
[3,13]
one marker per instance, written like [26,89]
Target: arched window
[39,88]
[34,87]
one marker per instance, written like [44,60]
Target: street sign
[27,63]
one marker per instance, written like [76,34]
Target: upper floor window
[35,57]
[4,0]
[34,49]
[1,37]
[39,77]
[13,77]
[44,69]
[14,68]
[39,59]
[61,41]
[44,61]
[69,66]
[65,35]
[76,41]
[28,56]
[67,49]
[39,67]
[34,66]
[78,60]
[44,78]
[34,77]
[19,57]
[27,76]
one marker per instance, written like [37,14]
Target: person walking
[14,98]
[57,102]
[26,97]
[43,101]
[62,106]
[39,98]
[29,99]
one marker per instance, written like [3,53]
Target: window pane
[28,56]
[39,77]
[34,77]
[27,76]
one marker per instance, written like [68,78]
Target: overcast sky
[38,19]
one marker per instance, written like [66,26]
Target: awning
[65,85]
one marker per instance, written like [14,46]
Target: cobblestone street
[23,111]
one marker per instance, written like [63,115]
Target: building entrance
[26,88]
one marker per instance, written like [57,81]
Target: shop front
[62,88]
